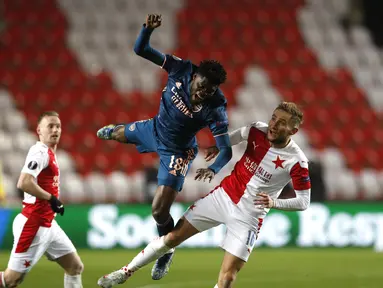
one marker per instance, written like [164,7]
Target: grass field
[199,268]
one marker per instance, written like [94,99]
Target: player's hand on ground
[211,153]
[56,205]
[264,200]
[204,174]
[153,21]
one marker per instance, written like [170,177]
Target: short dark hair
[213,71]
[46,114]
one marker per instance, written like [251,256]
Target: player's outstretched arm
[27,183]
[142,46]
[225,153]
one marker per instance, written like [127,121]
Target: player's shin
[154,250]
[166,227]
[72,281]
[2,280]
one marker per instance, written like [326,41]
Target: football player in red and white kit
[35,231]
[242,200]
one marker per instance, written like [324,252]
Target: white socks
[216,286]
[153,251]
[72,281]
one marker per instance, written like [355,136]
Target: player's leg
[30,242]
[62,251]
[171,176]
[238,243]
[161,205]
[155,249]
[10,278]
[113,132]
[139,133]
[230,267]
[73,267]
[201,216]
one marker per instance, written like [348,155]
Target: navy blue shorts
[174,166]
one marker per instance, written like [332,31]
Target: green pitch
[285,268]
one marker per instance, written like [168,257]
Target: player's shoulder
[38,148]
[297,154]
[260,126]
[181,67]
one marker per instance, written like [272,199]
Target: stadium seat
[293,50]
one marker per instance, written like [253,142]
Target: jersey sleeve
[37,160]
[172,64]
[219,122]
[299,174]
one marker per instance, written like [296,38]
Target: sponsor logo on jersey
[179,103]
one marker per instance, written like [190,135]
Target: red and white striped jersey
[41,163]
[263,168]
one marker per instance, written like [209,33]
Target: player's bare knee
[13,280]
[76,268]
[228,278]
[119,134]
[173,239]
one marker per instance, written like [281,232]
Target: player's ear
[38,130]
[293,131]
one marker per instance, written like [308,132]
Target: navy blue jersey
[177,123]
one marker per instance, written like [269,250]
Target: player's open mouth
[198,97]
[273,133]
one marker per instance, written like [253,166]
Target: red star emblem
[192,207]
[278,162]
[27,263]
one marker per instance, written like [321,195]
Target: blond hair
[296,114]
[47,114]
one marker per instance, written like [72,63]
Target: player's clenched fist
[56,205]
[153,21]
[204,174]
[264,200]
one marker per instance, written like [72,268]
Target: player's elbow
[305,205]
[138,49]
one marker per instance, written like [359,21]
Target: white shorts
[32,241]
[217,208]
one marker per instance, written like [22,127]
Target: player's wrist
[212,170]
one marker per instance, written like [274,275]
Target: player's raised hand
[204,174]
[264,200]
[153,21]
[211,153]
[56,205]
